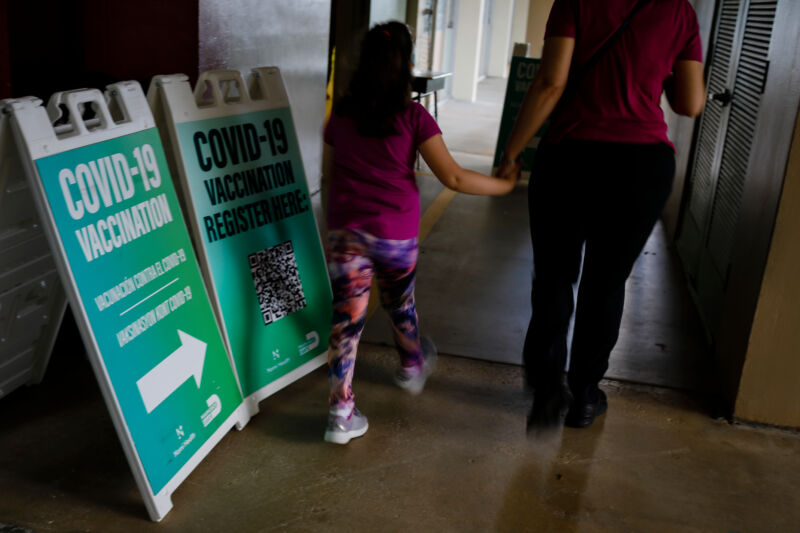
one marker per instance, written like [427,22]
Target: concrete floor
[455,458]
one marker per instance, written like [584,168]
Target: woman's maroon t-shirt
[619,98]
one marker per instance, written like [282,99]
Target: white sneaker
[414,384]
[341,429]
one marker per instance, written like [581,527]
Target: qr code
[277,281]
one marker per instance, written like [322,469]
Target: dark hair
[381,84]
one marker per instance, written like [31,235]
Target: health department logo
[311,343]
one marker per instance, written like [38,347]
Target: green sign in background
[129,251]
[521,74]
[253,211]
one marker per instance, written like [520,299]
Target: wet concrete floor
[455,458]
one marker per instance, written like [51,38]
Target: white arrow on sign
[169,374]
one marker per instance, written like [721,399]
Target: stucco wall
[538,12]
[241,34]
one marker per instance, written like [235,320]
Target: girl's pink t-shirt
[619,99]
[374,187]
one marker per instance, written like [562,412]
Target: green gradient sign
[129,253]
[254,219]
[521,74]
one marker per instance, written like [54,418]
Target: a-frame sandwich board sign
[240,173]
[124,255]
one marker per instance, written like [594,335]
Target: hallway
[455,458]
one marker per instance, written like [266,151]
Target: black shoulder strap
[578,76]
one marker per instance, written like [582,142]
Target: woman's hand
[509,169]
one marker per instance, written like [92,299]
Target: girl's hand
[459,179]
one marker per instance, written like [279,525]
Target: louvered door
[702,180]
[737,75]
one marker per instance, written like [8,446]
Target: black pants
[608,196]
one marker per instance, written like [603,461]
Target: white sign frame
[36,137]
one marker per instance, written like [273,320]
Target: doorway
[737,74]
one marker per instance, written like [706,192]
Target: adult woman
[601,177]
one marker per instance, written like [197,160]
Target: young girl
[371,141]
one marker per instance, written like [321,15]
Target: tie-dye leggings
[353,258]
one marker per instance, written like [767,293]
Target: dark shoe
[549,410]
[582,414]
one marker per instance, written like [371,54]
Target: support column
[350,24]
[500,49]
[469,34]
[538,12]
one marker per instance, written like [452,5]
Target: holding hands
[459,179]
[509,169]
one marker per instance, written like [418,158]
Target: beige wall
[769,387]
[537,19]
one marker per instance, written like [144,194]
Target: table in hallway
[428,83]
